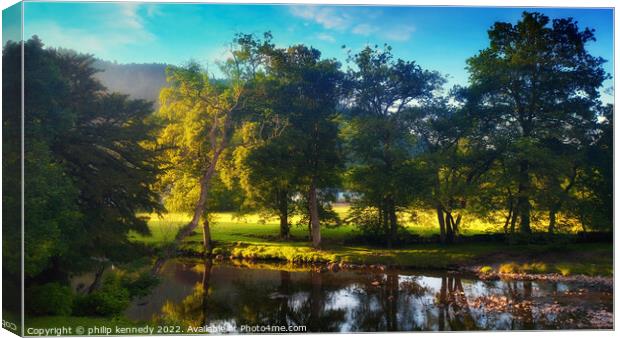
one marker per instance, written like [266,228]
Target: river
[307,299]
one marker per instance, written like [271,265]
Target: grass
[251,238]
[229,227]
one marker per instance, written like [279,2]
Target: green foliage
[87,168]
[109,300]
[138,284]
[50,299]
[535,92]
[303,90]
[380,143]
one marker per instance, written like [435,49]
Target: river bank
[489,260]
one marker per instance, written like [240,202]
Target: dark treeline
[285,130]
[87,172]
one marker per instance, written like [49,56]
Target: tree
[453,157]
[201,117]
[198,117]
[591,199]
[87,170]
[267,172]
[313,86]
[303,89]
[380,141]
[536,81]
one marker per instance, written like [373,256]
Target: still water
[351,301]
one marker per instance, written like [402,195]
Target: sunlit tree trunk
[205,181]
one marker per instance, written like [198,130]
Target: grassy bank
[250,238]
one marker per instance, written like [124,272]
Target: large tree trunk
[456,224]
[283,210]
[442,224]
[97,279]
[510,213]
[393,223]
[555,208]
[449,229]
[314,217]
[206,237]
[386,222]
[513,222]
[524,201]
[552,214]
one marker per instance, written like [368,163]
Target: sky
[437,38]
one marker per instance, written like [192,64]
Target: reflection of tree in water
[194,309]
[312,310]
[258,302]
[380,302]
[513,307]
[453,311]
[522,316]
[387,305]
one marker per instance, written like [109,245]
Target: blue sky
[438,38]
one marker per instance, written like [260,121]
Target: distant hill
[138,80]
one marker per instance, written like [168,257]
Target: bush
[110,300]
[138,284]
[486,269]
[50,299]
[511,267]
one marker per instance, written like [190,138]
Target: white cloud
[364,23]
[129,16]
[152,10]
[364,29]
[399,33]
[326,37]
[325,16]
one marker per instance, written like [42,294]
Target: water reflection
[203,293]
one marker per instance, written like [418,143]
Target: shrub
[509,268]
[486,269]
[138,284]
[535,268]
[111,299]
[50,299]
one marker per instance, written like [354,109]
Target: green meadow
[251,237]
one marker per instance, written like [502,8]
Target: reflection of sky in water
[352,301]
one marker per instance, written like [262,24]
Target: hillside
[140,81]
